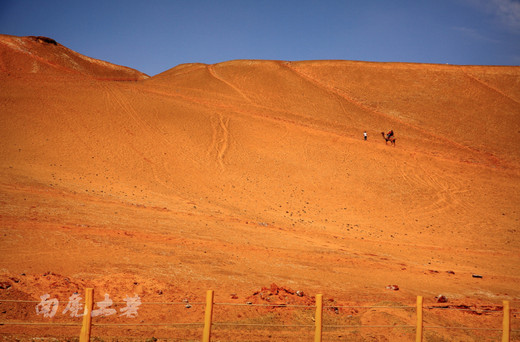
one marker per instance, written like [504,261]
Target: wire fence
[209,320]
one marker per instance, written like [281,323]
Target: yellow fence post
[206,336]
[318,318]
[419,330]
[506,322]
[84,335]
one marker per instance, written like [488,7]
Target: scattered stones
[441,299]
[43,40]
[393,287]
[188,305]
[336,310]
[280,296]
[4,285]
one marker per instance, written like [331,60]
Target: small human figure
[365,135]
[390,134]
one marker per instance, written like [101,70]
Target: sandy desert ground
[252,178]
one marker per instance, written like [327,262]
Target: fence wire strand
[369,326]
[40,323]
[264,325]
[142,324]
[461,328]
[226,324]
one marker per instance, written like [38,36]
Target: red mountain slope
[241,174]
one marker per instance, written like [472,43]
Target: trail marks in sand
[436,192]
[488,86]
[213,73]
[220,139]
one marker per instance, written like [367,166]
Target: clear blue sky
[156,35]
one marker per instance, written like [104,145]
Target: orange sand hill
[242,174]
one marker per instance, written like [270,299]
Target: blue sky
[156,35]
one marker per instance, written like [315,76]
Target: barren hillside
[44,56]
[241,174]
